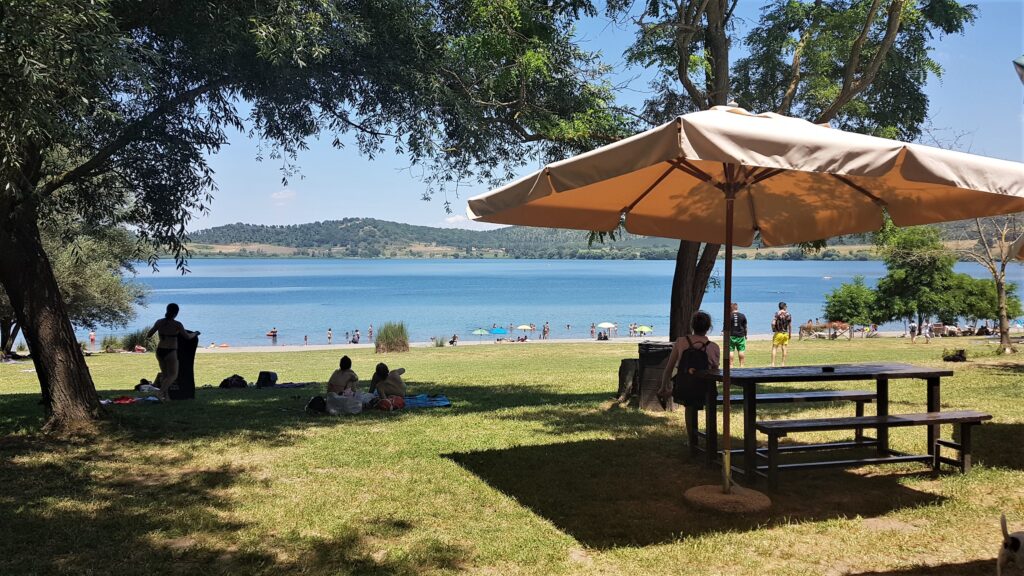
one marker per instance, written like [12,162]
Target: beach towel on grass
[424,401]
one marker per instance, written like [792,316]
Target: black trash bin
[184,388]
[653,357]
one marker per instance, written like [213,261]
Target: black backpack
[317,405]
[233,381]
[687,389]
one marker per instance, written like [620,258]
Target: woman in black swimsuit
[167,349]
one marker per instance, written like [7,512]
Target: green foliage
[138,338]
[853,303]
[438,341]
[920,269]
[393,337]
[975,299]
[111,342]
[820,37]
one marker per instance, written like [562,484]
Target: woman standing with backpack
[690,355]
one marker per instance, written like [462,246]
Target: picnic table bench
[749,378]
[966,419]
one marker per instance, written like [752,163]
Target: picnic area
[534,469]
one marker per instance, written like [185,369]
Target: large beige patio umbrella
[725,174]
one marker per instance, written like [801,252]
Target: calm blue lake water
[238,300]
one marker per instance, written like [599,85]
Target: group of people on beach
[344,396]
[353,337]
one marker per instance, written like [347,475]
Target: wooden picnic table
[749,378]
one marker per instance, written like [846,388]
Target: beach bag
[233,381]
[266,380]
[687,389]
[316,405]
[391,403]
[343,404]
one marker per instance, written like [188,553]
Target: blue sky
[979,99]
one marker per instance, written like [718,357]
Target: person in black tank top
[737,334]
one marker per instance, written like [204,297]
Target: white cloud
[283,197]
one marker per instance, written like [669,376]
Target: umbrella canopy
[1018,65]
[498,331]
[725,175]
[606,325]
[480,332]
[644,329]
[524,327]
[792,180]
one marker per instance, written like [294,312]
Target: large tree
[109,110]
[858,64]
[919,273]
[90,268]
[987,241]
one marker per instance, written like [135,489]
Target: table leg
[711,426]
[933,406]
[882,402]
[749,432]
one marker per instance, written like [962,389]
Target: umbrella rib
[684,165]
[860,189]
[649,189]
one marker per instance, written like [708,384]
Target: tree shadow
[628,491]
[973,568]
[273,416]
[68,513]
[998,444]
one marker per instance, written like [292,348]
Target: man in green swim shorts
[737,334]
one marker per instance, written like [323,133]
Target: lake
[238,300]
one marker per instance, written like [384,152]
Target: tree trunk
[69,396]
[8,334]
[689,283]
[1005,346]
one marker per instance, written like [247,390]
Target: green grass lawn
[532,471]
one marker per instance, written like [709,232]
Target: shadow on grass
[628,492]
[974,568]
[67,511]
[269,416]
[999,444]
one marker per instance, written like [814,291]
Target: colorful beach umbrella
[644,329]
[725,175]
[606,325]
[480,333]
[524,327]
[498,331]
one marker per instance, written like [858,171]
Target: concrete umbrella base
[739,501]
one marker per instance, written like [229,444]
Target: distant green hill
[372,238]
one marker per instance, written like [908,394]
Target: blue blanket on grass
[424,401]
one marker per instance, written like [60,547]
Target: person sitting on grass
[343,378]
[387,382]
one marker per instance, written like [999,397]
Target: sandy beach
[484,341]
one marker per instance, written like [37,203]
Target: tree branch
[853,86]
[129,134]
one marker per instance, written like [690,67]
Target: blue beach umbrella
[499,331]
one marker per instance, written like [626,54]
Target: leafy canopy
[118,103]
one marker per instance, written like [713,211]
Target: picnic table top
[815,374]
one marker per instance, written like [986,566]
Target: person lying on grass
[387,382]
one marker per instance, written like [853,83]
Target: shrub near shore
[392,337]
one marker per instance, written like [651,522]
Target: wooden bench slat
[892,421]
[810,396]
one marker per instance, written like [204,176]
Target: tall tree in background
[989,245]
[920,272]
[858,64]
[109,110]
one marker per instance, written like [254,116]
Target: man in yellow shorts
[782,331]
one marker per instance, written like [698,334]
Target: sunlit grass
[532,471]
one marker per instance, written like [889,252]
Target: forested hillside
[372,238]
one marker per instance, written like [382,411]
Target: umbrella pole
[730,197]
